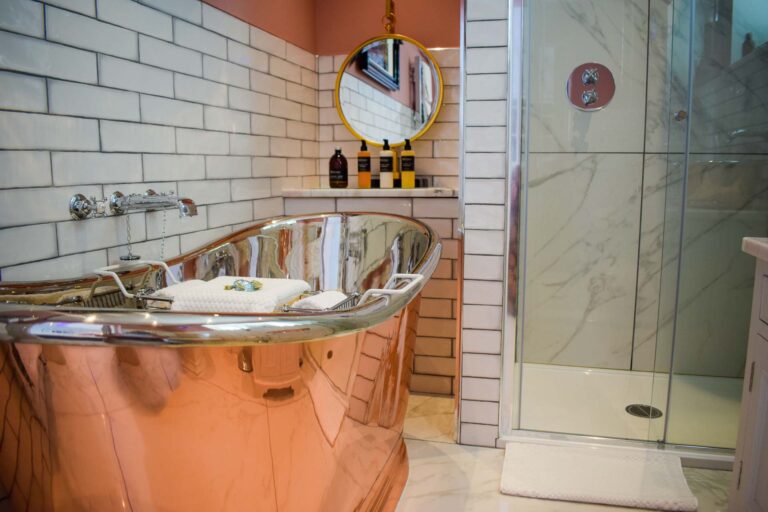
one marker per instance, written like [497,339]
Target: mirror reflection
[389,88]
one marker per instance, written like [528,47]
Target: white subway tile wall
[485,197]
[105,95]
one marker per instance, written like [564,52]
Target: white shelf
[370,192]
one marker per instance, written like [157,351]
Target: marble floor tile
[455,478]
[430,418]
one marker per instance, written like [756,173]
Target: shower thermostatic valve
[590,87]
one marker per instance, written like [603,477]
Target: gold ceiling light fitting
[389,16]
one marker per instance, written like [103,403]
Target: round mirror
[389,87]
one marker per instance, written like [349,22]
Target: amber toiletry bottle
[364,166]
[408,166]
[386,166]
[338,174]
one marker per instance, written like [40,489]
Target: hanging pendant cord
[389,16]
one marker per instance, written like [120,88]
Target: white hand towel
[324,300]
[282,290]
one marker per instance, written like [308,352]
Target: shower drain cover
[643,411]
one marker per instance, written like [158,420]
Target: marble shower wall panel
[566,33]
[582,257]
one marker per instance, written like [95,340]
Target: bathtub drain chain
[130,256]
[162,235]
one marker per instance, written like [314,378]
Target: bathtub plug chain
[162,235]
[130,256]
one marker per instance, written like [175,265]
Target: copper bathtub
[110,405]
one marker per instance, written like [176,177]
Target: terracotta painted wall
[330,27]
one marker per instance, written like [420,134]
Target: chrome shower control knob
[80,207]
[589,97]
[590,76]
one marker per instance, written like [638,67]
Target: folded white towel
[324,300]
[211,296]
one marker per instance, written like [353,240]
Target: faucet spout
[150,201]
[187,207]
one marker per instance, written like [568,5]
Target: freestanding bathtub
[111,405]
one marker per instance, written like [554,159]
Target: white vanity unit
[749,490]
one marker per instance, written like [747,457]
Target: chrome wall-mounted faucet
[81,207]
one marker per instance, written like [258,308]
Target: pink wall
[331,27]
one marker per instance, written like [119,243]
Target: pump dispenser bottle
[337,170]
[386,166]
[363,166]
[408,166]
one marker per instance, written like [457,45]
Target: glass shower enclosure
[634,295]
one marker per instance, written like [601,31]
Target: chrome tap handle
[589,97]
[590,76]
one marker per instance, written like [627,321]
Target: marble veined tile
[430,418]
[567,33]
[581,258]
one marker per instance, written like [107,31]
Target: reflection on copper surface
[308,426]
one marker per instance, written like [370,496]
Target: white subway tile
[304,206]
[474,434]
[263,82]
[199,90]
[325,64]
[201,142]
[135,137]
[197,239]
[268,166]
[268,125]
[227,166]
[268,208]
[486,60]
[248,145]
[83,6]
[169,56]
[485,113]
[25,243]
[481,365]
[92,101]
[487,33]
[485,165]
[30,55]
[481,341]
[174,224]
[199,39]
[22,16]
[486,87]
[75,168]
[483,242]
[22,92]
[309,78]
[124,74]
[483,267]
[39,131]
[90,34]
[284,147]
[244,99]
[299,130]
[484,191]
[310,114]
[206,191]
[302,166]
[473,388]
[301,94]
[229,213]
[482,216]
[98,233]
[129,14]
[398,206]
[225,24]
[223,71]
[485,139]
[267,42]
[480,412]
[173,112]
[446,57]
[432,207]
[189,10]
[284,69]
[487,9]
[227,120]
[483,292]
[57,268]
[23,206]
[152,250]
[25,169]
[285,108]
[173,167]
[301,57]
[247,56]
[250,188]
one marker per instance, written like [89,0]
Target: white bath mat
[606,475]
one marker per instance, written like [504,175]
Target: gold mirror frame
[353,54]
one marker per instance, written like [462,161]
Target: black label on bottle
[386,164]
[408,163]
[364,164]
[338,175]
